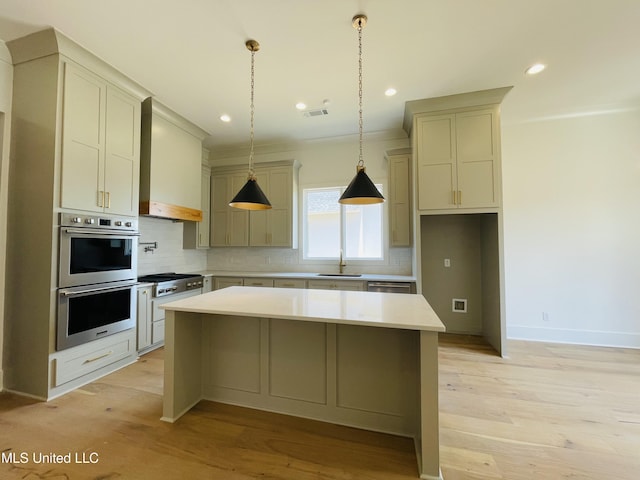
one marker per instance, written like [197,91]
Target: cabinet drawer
[87,358]
[336,285]
[289,283]
[258,282]
[157,332]
[224,282]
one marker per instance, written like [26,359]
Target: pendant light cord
[252,109]
[360,157]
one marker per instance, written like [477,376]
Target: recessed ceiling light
[390,92]
[301,106]
[225,118]
[536,68]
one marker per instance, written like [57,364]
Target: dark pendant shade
[361,190]
[250,197]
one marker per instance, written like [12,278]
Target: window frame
[303,259]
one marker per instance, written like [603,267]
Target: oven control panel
[102,221]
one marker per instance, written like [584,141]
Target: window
[330,227]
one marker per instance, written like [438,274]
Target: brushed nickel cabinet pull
[101,198]
[108,199]
[90,360]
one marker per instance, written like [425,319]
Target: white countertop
[375,277]
[391,310]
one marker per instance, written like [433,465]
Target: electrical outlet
[545,317]
[447,262]
[459,305]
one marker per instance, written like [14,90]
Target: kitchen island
[362,359]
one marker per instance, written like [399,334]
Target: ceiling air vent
[318,112]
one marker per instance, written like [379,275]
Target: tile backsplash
[169,256]
[254,259]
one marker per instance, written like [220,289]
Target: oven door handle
[73,292]
[94,231]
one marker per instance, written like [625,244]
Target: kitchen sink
[339,274]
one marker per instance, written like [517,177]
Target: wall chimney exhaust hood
[170,164]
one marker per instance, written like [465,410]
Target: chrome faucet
[341,263]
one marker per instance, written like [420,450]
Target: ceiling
[191,55]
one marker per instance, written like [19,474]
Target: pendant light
[251,196]
[361,190]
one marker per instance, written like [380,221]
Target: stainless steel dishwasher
[391,287]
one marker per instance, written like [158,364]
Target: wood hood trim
[174,212]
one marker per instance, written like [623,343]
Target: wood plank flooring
[548,412]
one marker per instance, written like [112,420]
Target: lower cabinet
[289,283]
[336,285]
[207,284]
[84,360]
[258,282]
[223,282]
[151,317]
[144,317]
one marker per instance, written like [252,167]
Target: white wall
[6,83]
[325,162]
[572,229]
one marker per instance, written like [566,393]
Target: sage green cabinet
[229,226]
[336,285]
[400,200]
[100,145]
[273,227]
[276,227]
[458,157]
[144,317]
[196,234]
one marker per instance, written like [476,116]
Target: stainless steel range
[170,283]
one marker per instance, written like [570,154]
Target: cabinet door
[219,210]
[399,202]
[203,226]
[273,227]
[84,102]
[436,158]
[259,220]
[207,284]
[122,153]
[476,146]
[237,220]
[281,213]
[144,317]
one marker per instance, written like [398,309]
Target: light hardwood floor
[548,412]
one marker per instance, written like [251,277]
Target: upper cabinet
[100,145]
[458,160]
[86,116]
[275,227]
[457,151]
[399,198]
[196,234]
[170,164]
[229,226]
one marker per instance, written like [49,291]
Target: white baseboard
[579,337]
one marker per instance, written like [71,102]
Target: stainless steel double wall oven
[97,273]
